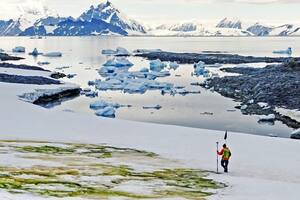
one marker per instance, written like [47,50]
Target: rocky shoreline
[42,96]
[211,58]
[261,90]
[5,57]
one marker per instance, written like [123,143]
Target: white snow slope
[261,168]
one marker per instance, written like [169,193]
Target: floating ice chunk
[287,51]
[157,107]
[200,69]
[106,112]
[118,62]
[99,105]
[18,49]
[122,52]
[108,52]
[53,54]
[270,118]
[1,50]
[35,52]
[102,104]
[91,94]
[135,87]
[174,65]
[157,65]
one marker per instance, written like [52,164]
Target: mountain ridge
[106,19]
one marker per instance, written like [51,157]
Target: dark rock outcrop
[277,85]
[46,99]
[5,57]
[57,75]
[36,80]
[212,58]
[24,67]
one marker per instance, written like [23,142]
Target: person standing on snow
[226,154]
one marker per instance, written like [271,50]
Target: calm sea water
[83,56]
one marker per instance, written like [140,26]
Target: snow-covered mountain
[283,30]
[110,14]
[195,29]
[104,19]
[9,28]
[230,23]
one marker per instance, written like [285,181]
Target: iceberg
[108,52]
[199,68]
[120,51]
[287,51]
[1,50]
[18,49]
[106,112]
[174,65]
[53,54]
[118,62]
[157,65]
[99,105]
[91,94]
[135,87]
[157,107]
[35,52]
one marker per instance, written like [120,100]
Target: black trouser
[224,164]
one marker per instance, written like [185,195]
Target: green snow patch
[97,172]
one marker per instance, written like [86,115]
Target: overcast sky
[165,11]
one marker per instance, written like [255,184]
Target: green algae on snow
[80,169]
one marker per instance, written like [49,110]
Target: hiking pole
[217,158]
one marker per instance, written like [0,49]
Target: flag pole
[217,158]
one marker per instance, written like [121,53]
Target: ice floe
[53,54]
[157,107]
[118,62]
[19,49]
[286,51]
[199,69]
[105,109]
[106,112]
[173,65]
[120,51]
[157,65]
